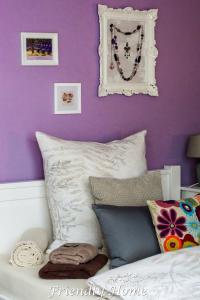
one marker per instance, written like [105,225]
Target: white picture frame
[67,98]
[39,49]
[127,23]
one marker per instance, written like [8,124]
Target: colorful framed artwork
[127,51]
[67,98]
[39,49]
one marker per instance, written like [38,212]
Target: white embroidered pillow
[67,167]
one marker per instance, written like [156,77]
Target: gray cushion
[127,192]
[128,231]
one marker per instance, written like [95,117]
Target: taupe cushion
[127,192]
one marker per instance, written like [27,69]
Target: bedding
[177,223]
[67,167]
[27,254]
[128,232]
[73,254]
[167,276]
[71,271]
[25,284]
[29,251]
[127,192]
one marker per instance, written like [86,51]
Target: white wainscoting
[23,205]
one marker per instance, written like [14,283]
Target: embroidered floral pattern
[169,223]
[197,210]
[189,241]
[177,223]
[193,226]
[193,202]
[168,203]
[172,243]
[187,208]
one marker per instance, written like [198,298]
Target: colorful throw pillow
[177,223]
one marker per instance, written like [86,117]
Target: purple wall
[26,93]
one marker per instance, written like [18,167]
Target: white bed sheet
[168,276]
[24,284]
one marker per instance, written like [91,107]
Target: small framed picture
[39,49]
[67,98]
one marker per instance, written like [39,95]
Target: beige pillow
[127,192]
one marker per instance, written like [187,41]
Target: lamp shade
[193,149]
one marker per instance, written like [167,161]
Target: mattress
[24,284]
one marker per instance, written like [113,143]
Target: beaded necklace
[114,50]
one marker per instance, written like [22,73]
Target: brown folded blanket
[69,271]
[73,254]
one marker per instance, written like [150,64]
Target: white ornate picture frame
[127,51]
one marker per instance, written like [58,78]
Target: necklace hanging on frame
[114,30]
[127,50]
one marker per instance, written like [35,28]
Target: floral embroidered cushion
[177,223]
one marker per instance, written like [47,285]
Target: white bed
[173,275]
[24,284]
[23,205]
